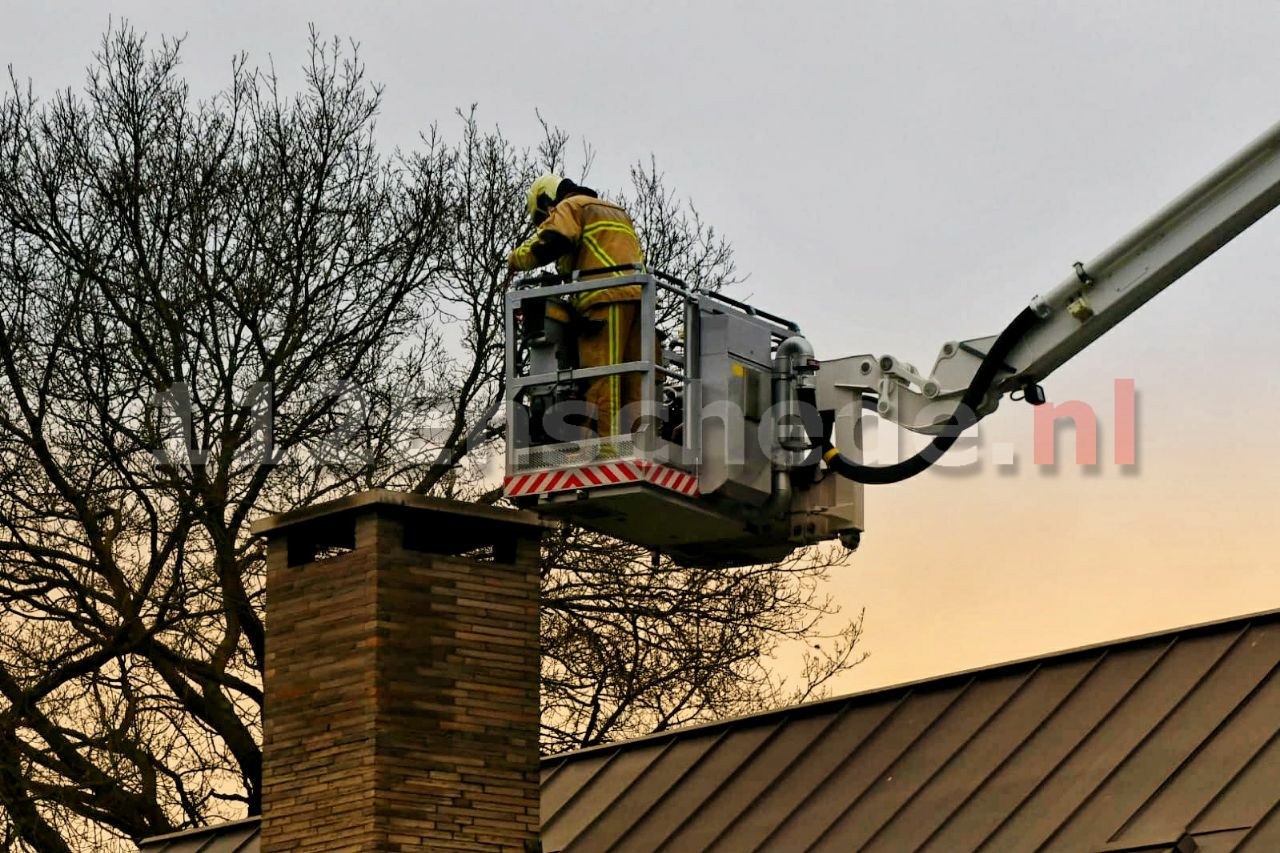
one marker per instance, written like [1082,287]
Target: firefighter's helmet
[542,195]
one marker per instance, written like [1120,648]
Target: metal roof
[1163,743]
[1123,747]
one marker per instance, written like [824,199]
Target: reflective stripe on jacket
[598,234]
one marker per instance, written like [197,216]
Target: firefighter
[580,231]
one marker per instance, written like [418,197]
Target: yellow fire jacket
[582,232]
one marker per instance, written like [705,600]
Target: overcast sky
[893,176]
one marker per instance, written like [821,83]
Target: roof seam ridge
[715,743]
[1199,748]
[902,700]
[549,820]
[1027,678]
[799,756]
[1133,750]
[1269,814]
[614,802]
[898,757]
[1019,748]
[1252,759]
[1102,721]
[1097,664]
[714,792]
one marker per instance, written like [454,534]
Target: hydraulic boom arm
[1096,296]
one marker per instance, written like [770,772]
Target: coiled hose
[961,420]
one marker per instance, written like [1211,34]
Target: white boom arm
[1095,297]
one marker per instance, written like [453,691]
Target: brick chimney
[402,677]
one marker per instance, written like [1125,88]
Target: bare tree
[220,310]
[190,291]
[632,646]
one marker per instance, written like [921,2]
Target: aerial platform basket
[696,474]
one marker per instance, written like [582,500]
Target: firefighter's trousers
[612,336]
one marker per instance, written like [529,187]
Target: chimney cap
[422,507]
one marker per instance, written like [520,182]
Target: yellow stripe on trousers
[615,357]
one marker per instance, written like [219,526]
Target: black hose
[963,418]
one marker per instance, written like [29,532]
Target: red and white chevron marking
[672,478]
[601,474]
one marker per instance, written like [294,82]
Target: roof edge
[764,717]
[197,831]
